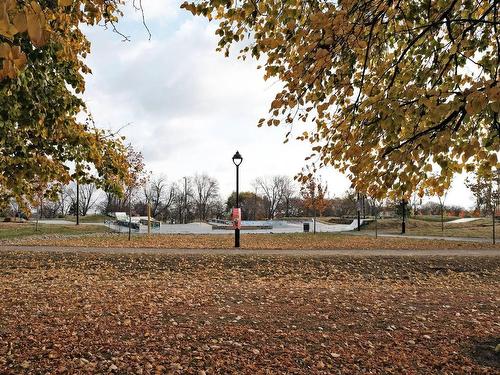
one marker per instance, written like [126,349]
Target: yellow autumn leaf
[4,50]
[20,22]
[476,103]
[34,28]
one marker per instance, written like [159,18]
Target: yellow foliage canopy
[398,90]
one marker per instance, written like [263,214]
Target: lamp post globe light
[237,160]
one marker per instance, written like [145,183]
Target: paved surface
[279,227]
[462,220]
[290,252]
[204,228]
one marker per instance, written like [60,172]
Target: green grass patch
[88,218]
[435,218]
[481,228]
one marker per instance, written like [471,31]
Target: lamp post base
[236,238]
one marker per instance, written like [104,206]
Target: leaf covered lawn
[251,241]
[207,314]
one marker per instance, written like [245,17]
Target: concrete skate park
[268,226]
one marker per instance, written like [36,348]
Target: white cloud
[190,108]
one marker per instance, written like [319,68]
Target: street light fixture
[237,160]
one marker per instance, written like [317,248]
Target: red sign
[236,218]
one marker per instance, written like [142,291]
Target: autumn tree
[484,191]
[42,68]
[136,176]
[395,89]
[345,205]
[313,193]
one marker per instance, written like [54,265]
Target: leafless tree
[155,192]
[289,191]
[206,190]
[272,189]
[182,200]
[167,202]
[89,196]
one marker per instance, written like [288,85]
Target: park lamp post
[237,159]
[358,209]
[77,203]
[403,224]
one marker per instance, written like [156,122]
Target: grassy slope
[20,230]
[481,228]
[436,218]
[88,218]
[252,241]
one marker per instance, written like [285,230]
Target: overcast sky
[188,108]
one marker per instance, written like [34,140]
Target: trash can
[306,227]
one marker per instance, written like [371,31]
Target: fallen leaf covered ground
[249,241]
[207,314]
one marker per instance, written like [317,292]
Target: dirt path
[246,252]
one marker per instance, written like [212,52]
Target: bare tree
[182,200]
[289,191]
[484,192]
[62,205]
[167,202]
[273,192]
[89,196]
[442,198]
[206,190]
[154,193]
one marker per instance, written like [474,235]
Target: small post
[403,224]
[314,207]
[359,214]
[442,219]
[376,221]
[493,217]
[363,198]
[130,215]
[149,218]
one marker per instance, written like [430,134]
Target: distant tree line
[198,198]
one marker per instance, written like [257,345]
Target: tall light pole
[358,207]
[77,203]
[185,199]
[255,204]
[314,205]
[130,214]
[237,159]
